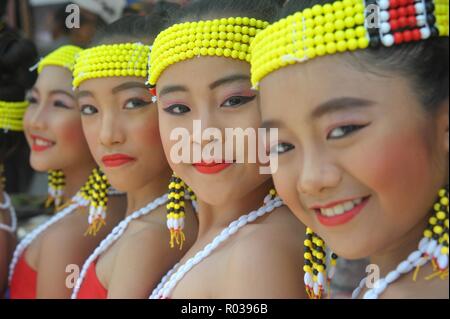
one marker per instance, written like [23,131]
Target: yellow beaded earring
[178,192]
[97,192]
[56,184]
[317,276]
[436,237]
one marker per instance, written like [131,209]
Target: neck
[149,192]
[75,178]
[390,258]
[217,217]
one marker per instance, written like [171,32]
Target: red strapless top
[24,281]
[92,288]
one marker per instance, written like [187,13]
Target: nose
[37,117]
[318,173]
[111,131]
[207,138]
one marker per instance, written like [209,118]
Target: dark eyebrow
[172,89]
[229,79]
[62,92]
[117,89]
[127,86]
[340,104]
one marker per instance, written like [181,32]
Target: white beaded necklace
[428,249]
[175,275]
[116,233]
[26,242]
[12,213]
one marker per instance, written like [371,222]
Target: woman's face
[121,126]
[360,161]
[53,125]
[217,92]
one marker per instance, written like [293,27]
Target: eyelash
[84,109]
[56,103]
[140,103]
[275,150]
[184,109]
[283,148]
[181,109]
[245,100]
[346,131]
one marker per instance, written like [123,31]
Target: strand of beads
[316,274]
[63,57]
[97,189]
[7,205]
[404,21]
[116,233]
[115,60]
[432,247]
[227,37]
[56,184]
[26,242]
[169,282]
[11,115]
[343,26]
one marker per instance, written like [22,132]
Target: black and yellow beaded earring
[178,192]
[318,275]
[56,184]
[436,237]
[97,193]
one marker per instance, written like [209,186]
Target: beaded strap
[174,276]
[344,26]
[63,57]
[26,242]
[116,233]
[227,37]
[7,205]
[11,115]
[113,60]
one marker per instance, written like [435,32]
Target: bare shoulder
[70,230]
[259,254]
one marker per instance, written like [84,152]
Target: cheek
[397,169]
[286,184]
[69,134]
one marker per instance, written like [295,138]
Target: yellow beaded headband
[63,57]
[343,26]
[11,115]
[112,60]
[227,37]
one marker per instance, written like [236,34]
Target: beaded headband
[112,60]
[227,37]
[344,26]
[11,115]
[63,57]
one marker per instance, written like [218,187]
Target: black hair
[17,55]
[265,10]
[138,28]
[425,63]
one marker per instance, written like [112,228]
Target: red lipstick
[40,144]
[117,160]
[342,219]
[211,168]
